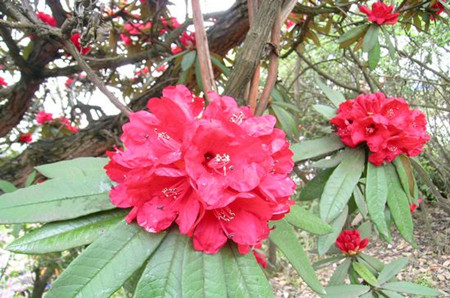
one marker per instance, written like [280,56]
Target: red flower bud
[350,243]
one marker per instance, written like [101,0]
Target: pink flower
[43,117]
[413,207]
[3,82]
[350,243]
[25,137]
[437,9]
[126,39]
[220,173]
[46,18]
[386,125]
[75,38]
[380,13]
[69,82]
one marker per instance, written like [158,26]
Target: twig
[204,58]
[70,47]
[254,83]
[273,66]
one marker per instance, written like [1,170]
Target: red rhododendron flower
[69,82]
[176,49]
[43,117]
[3,82]
[161,68]
[220,173]
[188,40]
[25,137]
[75,38]
[46,18]
[67,124]
[380,13]
[437,8]
[387,125]
[413,207]
[350,243]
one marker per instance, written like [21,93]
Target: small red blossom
[437,9]
[75,38]
[25,137]
[69,82]
[161,68]
[413,207]
[350,243]
[176,49]
[220,173]
[143,71]
[67,124]
[43,117]
[380,13]
[172,22]
[387,125]
[188,40]
[126,39]
[3,82]
[46,18]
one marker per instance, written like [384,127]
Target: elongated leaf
[317,147]
[399,205]
[360,202]
[30,179]
[57,199]
[107,263]
[406,175]
[59,236]
[371,37]
[340,273]
[341,184]
[286,120]
[334,96]
[353,33]
[365,229]
[216,62]
[391,270]
[376,197]
[374,262]
[188,60]
[346,291]
[286,240]
[314,188]
[374,56]
[326,111]
[327,261]
[410,288]
[365,273]
[391,47]
[326,241]
[328,162]
[391,294]
[307,221]
[82,166]
[7,186]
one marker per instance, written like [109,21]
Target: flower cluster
[413,207]
[3,82]
[25,137]
[220,173]
[380,13]
[350,243]
[387,125]
[188,42]
[62,122]
[437,9]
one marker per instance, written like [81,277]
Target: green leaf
[374,56]
[286,120]
[334,96]
[107,263]
[374,262]
[307,221]
[391,270]
[30,179]
[57,199]
[365,229]
[341,184]
[286,240]
[376,197]
[183,77]
[326,111]
[353,33]
[365,273]
[326,241]
[27,50]
[346,291]
[7,186]
[198,74]
[216,62]
[399,205]
[328,261]
[390,45]
[59,236]
[340,273]
[405,173]
[360,202]
[314,188]
[371,37]
[391,294]
[410,288]
[74,168]
[329,161]
[367,295]
[188,60]
[317,147]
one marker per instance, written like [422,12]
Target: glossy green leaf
[371,37]
[391,294]
[188,60]
[314,188]
[374,262]
[329,161]
[341,184]
[340,273]
[317,147]
[107,263]
[374,56]
[73,168]
[360,202]
[353,33]
[286,120]
[376,197]
[7,186]
[391,270]
[346,291]
[325,242]
[410,288]
[334,96]
[30,179]
[285,239]
[365,273]
[326,111]
[307,221]
[399,205]
[59,236]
